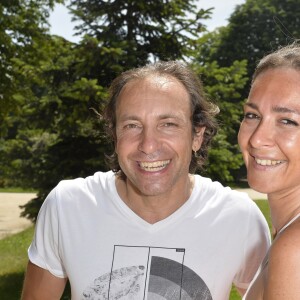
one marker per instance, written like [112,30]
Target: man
[149,229]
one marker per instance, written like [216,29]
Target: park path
[11,222]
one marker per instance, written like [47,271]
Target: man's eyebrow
[160,117]
[169,116]
[129,117]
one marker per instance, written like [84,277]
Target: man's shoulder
[97,178]
[77,188]
[217,189]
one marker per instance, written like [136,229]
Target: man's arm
[41,284]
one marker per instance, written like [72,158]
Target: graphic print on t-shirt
[148,273]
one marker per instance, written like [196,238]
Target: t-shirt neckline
[174,217]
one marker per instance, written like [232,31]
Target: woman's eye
[250,116]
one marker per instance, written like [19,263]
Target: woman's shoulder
[287,243]
[284,265]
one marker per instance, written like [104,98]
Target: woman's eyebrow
[283,109]
[277,108]
[252,105]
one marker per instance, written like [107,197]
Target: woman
[269,138]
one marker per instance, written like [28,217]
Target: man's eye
[131,126]
[289,122]
[170,124]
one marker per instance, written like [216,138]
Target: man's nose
[149,141]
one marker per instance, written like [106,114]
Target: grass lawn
[13,254]
[264,207]
[13,260]
[16,190]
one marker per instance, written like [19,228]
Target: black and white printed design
[148,273]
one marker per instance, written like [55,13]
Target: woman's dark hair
[284,57]
[202,111]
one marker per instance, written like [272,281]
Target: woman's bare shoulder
[287,244]
[283,281]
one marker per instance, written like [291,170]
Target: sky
[61,24]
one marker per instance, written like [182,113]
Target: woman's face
[269,135]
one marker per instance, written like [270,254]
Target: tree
[161,30]
[223,86]
[56,136]
[255,29]
[23,23]
[144,30]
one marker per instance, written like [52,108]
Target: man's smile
[154,166]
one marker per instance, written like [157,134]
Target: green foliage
[54,132]
[142,30]
[257,28]
[234,295]
[223,86]
[224,158]
[23,24]
[52,87]
[57,135]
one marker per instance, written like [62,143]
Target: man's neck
[153,208]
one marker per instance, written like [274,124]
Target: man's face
[154,139]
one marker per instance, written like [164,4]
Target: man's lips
[154,166]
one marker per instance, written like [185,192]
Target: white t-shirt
[87,233]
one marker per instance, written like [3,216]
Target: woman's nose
[263,135]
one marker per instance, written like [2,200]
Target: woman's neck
[284,207]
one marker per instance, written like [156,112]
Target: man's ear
[198,138]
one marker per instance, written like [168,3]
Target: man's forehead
[159,80]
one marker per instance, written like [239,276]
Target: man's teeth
[267,162]
[154,166]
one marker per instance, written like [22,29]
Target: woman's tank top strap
[288,223]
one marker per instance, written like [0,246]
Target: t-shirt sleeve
[256,245]
[44,250]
